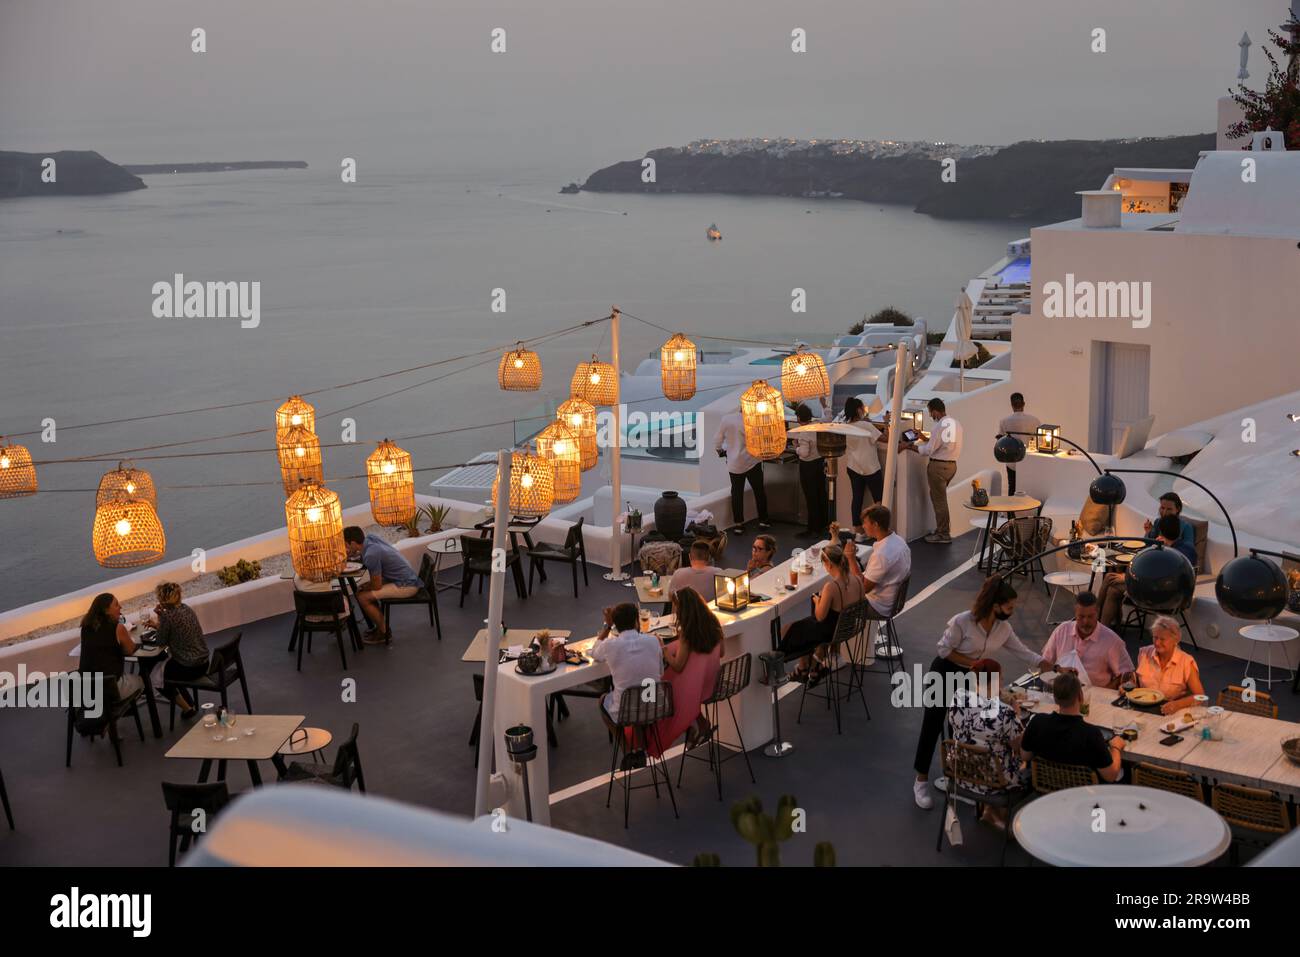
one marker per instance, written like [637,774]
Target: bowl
[1291,748]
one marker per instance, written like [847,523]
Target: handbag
[951,824]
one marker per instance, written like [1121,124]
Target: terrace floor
[415,706]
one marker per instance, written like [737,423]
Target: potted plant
[240,572]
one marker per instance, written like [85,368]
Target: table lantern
[732,589]
[299,453]
[913,419]
[520,370]
[559,445]
[594,382]
[803,376]
[677,368]
[315,521]
[127,532]
[763,412]
[295,413]
[130,482]
[1049,439]
[532,485]
[391,481]
[580,416]
[17,473]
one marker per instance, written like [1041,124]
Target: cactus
[824,854]
[766,832]
[707,860]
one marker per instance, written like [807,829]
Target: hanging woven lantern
[127,532]
[677,368]
[130,482]
[295,412]
[558,444]
[520,370]
[392,484]
[17,473]
[763,411]
[299,452]
[532,485]
[580,416]
[803,376]
[315,521]
[594,381]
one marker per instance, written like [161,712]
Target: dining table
[253,738]
[997,505]
[476,652]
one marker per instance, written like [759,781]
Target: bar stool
[733,678]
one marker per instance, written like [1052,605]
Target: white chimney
[1101,208]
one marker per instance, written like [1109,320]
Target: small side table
[1269,634]
[1067,579]
[311,741]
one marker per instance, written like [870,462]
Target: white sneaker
[921,791]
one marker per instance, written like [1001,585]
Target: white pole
[496,596]
[895,412]
[615,573]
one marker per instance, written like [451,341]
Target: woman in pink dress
[693,661]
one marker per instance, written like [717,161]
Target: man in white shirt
[889,564]
[812,473]
[698,574]
[944,448]
[633,656]
[741,467]
[1023,426]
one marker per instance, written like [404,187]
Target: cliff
[77,173]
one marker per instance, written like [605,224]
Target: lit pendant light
[594,382]
[127,533]
[580,416]
[131,482]
[520,370]
[295,413]
[299,452]
[315,521]
[803,376]
[532,485]
[392,484]
[558,444]
[17,473]
[763,411]
[677,368]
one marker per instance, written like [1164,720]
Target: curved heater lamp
[1231,528]
[1072,444]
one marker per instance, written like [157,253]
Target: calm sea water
[362,279]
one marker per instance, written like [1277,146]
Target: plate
[1146,696]
[1122,559]
[352,567]
[546,668]
[1291,749]
[1134,545]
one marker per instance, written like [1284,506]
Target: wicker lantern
[677,368]
[580,416]
[315,521]
[392,484]
[299,452]
[520,370]
[803,376]
[18,474]
[532,485]
[127,532]
[763,411]
[295,412]
[558,444]
[594,381]
[131,482]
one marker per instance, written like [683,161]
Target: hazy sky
[586,82]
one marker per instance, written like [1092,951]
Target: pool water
[1015,271]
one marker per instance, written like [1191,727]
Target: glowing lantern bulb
[296,419]
[575,420]
[389,468]
[4,459]
[130,487]
[801,368]
[123,527]
[731,587]
[761,408]
[526,480]
[679,356]
[519,363]
[595,378]
[313,514]
[300,451]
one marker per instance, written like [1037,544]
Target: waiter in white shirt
[862,461]
[1023,426]
[812,474]
[741,467]
[944,448]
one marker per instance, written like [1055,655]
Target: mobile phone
[1171,740]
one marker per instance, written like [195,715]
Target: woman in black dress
[105,643]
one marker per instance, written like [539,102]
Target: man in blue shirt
[1171,504]
[391,576]
[1113,588]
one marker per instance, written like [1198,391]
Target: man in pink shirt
[1102,651]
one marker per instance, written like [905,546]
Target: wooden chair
[1048,776]
[427,595]
[226,667]
[1262,814]
[573,551]
[974,773]
[1232,698]
[1165,779]
[183,800]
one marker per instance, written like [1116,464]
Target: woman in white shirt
[862,460]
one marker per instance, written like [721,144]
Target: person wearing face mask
[970,636]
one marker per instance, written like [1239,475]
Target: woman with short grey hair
[1166,667]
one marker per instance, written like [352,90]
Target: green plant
[242,571]
[412,525]
[889,316]
[436,516]
[767,831]
[934,338]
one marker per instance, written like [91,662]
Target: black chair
[573,551]
[887,646]
[346,769]
[733,678]
[427,595]
[183,800]
[4,797]
[476,560]
[322,611]
[641,719]
[852,623]
[226,667]
[115,708]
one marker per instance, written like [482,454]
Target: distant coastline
[87,173]
[151,169]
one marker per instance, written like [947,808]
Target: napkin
[1071,659]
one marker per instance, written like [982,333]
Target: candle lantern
[677,368]
[130,482]
[315,521]
[913,419]
[392,484]
[299,453]
[295,413]
[580,416]
[532,485]
[803,376]
[558,444]
[17,473]
[127,532]
[520,370]
[763,413]
[731,589]
[1049,439]
[594,382]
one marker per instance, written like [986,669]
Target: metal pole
[895,412]
[615,573]
[496,596]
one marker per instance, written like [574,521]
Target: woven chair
[660,556]
[1164,779]
[640,718]
[973,773]
[733,678]
[1049,776]
[1232,698]
[1022,538]
[852,623]
[1261,814]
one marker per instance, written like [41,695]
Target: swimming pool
[1015,271]
[767,361]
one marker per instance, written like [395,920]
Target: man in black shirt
[1066,738]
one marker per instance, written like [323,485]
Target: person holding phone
[944,448]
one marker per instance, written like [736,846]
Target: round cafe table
[1269,634]
[314,743]
[1144,827]
[998,504]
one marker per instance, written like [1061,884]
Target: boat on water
[571,189]
[713,232]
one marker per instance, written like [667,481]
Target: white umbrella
[840,428]
[965,347]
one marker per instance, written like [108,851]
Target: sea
[357,280]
